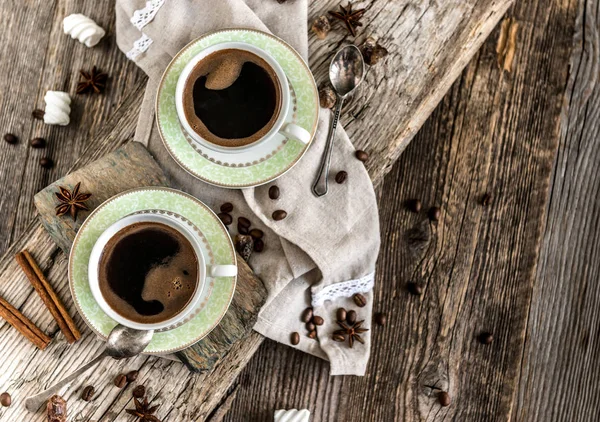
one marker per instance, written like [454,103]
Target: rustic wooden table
[524,268]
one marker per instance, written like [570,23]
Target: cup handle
[222,270]
[290,130]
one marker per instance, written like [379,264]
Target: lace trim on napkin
[143,17]
[345,289]
[139,46]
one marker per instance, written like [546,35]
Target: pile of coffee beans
[121,380]
[248,240]
[311,322]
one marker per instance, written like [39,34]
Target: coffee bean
[312,334]
[341,314]
[256,233]
[244,222]
[5,399]
[38,114]
[242,229]
[380,318]
[434,213]
[46,162]
[318,320]
[88,393]
[259,245]
[351,317]
[120,380]
[486,338]
[359,299]
[338,337]
[227,207]
[310,326]
[274,192]
[225,218]
[486,199]
[414,288]
[444,398]
[414,205]
[361,155]
[132,376]
[139,392]
[279,215]
[38,142]
[307,315]
[295,338]
[341,177]
[11,139]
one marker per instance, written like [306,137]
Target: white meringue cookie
[58,108]
[292,415]
[83,28]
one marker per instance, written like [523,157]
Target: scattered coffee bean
[279,215]
[132,376]
[139,392]
[434,214]
[341,177]
[359,299]
[361,155]
[414,205]
[486,199]
[244,222]
[38,114]
[88,393]
[274,192]
[414,288]
[5,399]
[318,320]
[38,142]
[120,380]
[444,398]
[225,218]
[310,326]
[295,338]
[256,233]
[259,245]
[486,338]
[46,162]
[307,315]
[227,207]
[380,318]
[312,334]
[341,314]
[11,139]
[242,229]
[338,337]
[351,317]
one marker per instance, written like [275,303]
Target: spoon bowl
[346,70]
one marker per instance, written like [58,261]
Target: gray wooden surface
[492,132]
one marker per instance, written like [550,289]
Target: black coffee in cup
[148,272]
[232,98]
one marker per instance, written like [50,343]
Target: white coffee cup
[287,129]
[204,270]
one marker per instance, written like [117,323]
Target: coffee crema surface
[148,272]
[232,98]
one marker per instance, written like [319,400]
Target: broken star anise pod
[143,411]
[353,331]
[71,201]
[93,81]
[349,17]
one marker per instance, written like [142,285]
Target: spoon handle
[320,186]
[33,403]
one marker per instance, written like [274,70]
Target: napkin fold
[325,250]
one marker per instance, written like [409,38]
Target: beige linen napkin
[325,250]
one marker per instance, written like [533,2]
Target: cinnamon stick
[19,321]
[48,296]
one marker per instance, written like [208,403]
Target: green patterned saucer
[172,202]
[266,162]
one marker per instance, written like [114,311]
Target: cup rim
[281,79]
[94,262]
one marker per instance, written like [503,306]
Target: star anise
[350,18]
[143,411]
[93,81]
[71,201]
[353,331]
